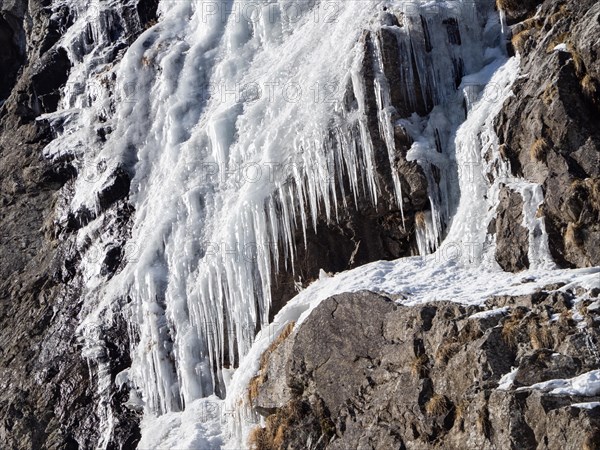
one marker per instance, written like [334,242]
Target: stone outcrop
[512,238]
[549,127]
[364,372]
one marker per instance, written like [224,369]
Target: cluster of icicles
[238,121]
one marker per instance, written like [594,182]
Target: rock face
[48,398]
[363,372]
[549,128]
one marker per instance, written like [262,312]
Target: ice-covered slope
[234,121]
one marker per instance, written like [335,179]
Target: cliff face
[43,376]
[366,232]
[363,372]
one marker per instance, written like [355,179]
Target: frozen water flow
[238,123]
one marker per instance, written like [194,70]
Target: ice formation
[232,118]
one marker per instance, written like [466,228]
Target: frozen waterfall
[234,119]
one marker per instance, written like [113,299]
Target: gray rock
[512,238]
[364,372]
[48,398]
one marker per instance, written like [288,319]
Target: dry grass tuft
[573,236]
[503,151]
[538,149]
[418,366]
[566,319]
[146,61]
[257,381]
[287,330]
[511,328]
[507,5]
[589,87]
[532,22]
[437,405]
[257,439]
[540,212]
[420,220]
[512,6]
[556,40]
[461,410]
[549,94]
[562,12]
[541,337]
[592,441]
[254,387]
[446,351]
[284,423]
[279,437]
[588,188]
[469,333]
[577,60]
[520,39]
[150,23]
[272,436]
[483,423]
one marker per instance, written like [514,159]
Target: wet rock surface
[512,238]
[364,372]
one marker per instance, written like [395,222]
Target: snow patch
[588,405]
[507,380]
[561,48]
[200,426]
[585,385]
[490,313]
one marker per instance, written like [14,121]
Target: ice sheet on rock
[237,134]
[477,154]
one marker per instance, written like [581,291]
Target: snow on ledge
[585,385]
[561,48]
[413,281]
[507,380]
[490,313]
[588,405]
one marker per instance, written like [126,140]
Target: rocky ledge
[363,372]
